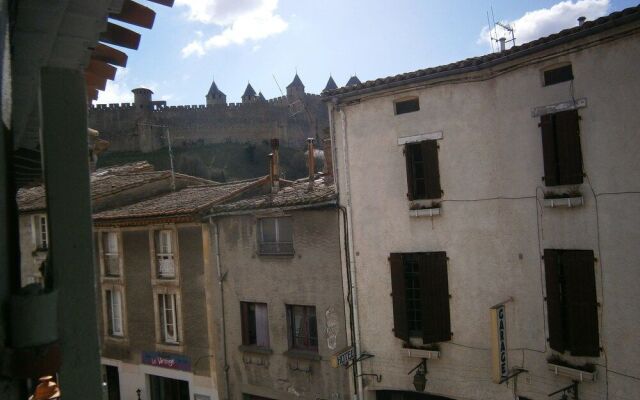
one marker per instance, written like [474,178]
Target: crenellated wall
[130,128]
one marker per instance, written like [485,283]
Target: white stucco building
[505,186]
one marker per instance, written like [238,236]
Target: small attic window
[557,75]
[407,106]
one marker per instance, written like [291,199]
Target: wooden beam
[135,14]
[95,81]
[168,3]
[100,68]
[109,55]
[120,36]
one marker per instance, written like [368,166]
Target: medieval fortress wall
[145,124]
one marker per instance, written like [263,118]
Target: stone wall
[129,128]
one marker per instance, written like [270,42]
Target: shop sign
[500,369]
[166,360]
[343,357]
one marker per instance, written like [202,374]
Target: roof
[353,81]
[297,194]
[105,181]
[296,82]
[187,201]
[249,91]
[331,84]
[214,91]
[476,63]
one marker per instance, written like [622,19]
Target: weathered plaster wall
[311,277]
[493,227]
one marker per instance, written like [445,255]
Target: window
[166,267]
[572,308]
[561,148]
[275,236]
[168,317]
[114,312]
[420,291]
[303,328]
[557,75]
[41,233]
[407,106]
[423,174]
[110,254]
[255,324]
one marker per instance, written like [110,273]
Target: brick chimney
[274,165]
[311,161]
[328,158]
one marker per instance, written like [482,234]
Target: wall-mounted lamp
[420,378]
[571,389]
[138,393]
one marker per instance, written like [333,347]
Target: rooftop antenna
[493,33]
[278,85]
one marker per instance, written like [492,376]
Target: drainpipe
[351,261]
[221,287]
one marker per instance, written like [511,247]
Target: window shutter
[429,150]
[408,156]
[400,325]
[245,322]
[109,312]
[434,287]
[549,150]
[568,147]
[582,303]
[554,299]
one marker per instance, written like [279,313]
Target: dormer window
[407,106]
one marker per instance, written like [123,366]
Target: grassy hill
[220,162]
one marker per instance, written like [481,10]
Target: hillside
[220,162]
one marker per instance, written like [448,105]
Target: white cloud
[240,20]
[545,21]
[116,91]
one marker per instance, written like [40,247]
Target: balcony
[276,248]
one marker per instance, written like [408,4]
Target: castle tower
[215,95]
[249,95]
[261,98]
[331,84]
[353,81]
[295,90]
[142,98]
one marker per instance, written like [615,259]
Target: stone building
[493,211]
[279,303]
[145,124]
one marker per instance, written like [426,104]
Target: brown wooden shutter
[549,150]
[429,150]
[408,156]
[400,324]
[245,323]
[554,299]
[582,305]
[569,154]
[434,288]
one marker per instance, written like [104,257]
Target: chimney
[581,20]
[328,158]
[274,166]
[503,44]
[311,162]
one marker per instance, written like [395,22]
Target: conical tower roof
[261,97]
[296,82]
[249,91]
[214,91]
[353,81]
[331,84]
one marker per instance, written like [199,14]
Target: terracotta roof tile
[297,194]
[590,27]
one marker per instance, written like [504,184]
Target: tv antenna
[493,33]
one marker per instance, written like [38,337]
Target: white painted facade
[492,222]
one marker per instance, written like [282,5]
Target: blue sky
[238,41]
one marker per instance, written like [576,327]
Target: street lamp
[420,378]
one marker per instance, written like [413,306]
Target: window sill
[421,353]
[425,212]
[171,347]
[282,255]
[573,373]
[116,339]
[568,202]
[303,354]
[251,348]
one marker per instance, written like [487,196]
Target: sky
[265,42]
